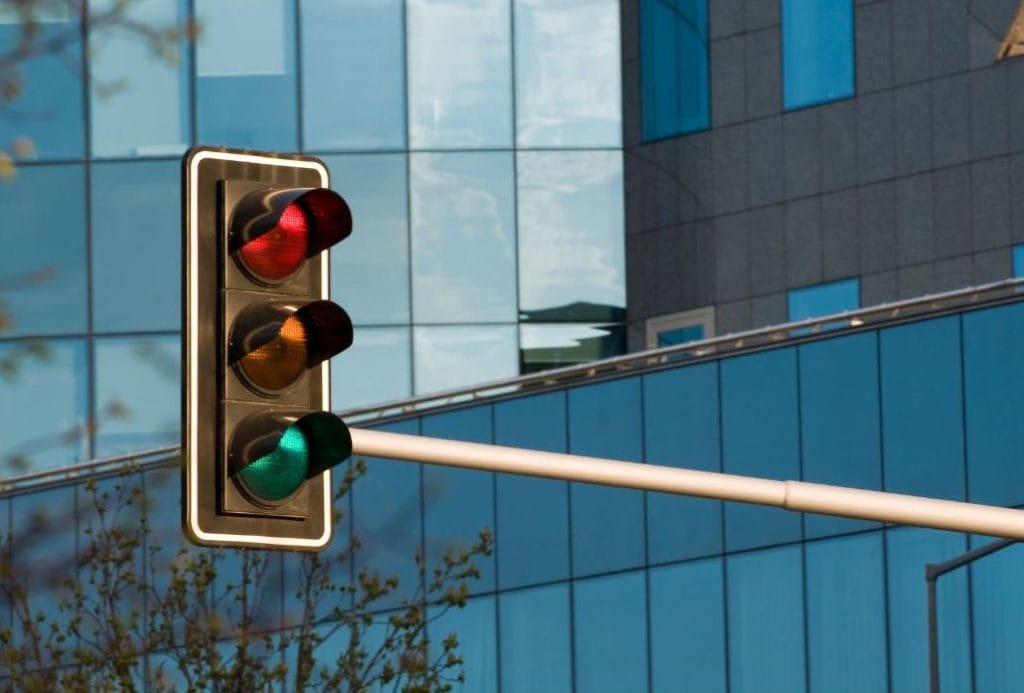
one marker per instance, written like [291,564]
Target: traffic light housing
[259,440]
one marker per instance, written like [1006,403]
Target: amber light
[278,253]
[278,363]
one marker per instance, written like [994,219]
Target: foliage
[203,616]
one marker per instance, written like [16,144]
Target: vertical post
[930,574]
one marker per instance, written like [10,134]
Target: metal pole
[932,572]
[793,495]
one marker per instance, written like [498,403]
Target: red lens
[280,251]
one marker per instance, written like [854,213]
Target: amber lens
[278,363]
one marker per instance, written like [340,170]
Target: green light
[280,473]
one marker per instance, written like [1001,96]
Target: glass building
[478,144]
[803,194]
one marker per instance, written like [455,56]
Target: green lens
[280,473]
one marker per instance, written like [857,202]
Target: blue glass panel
[386,517]
[680,335]
[846,625]
[42,265]
[1018,260]
[139,101]
[43,557]
[997,603]
[611,633]
[554,345]
[5,558]
[477,631]
[674,67]
[353,74]
[817,51]
[607,524]
[450,357]
[245,63]
[533,514]
[460,81]
[568,89]
[46,405]
[47,115]
[907,552]
[766,621]
[458,503]
[163,508]
[136,239]
[370,269]
[993,400]
[463,238]
[681,430]
[759,438]
[138,384]
[376,368]
[840,437]
[687,627]
[922,412]
[571,250]
[823,299]
[536,643]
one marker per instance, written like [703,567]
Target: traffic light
[258,437]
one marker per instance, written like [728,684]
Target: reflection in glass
[681,429]
[611,633]
[245,63]
[460,83]
[607,523]
[48,383]
[993,400]
[450,357]
[846,627]
[386,516]
[45,121]
[458,503]
[376,368]
[922,410]
[476,629]
[674,67]
[760,439]
[907,550]
[463,237]
[536,647]
[136,237]
[370,269]
[353,74]
[140,100]
[542,347]
[571,246]
[568,88]
[839,410]
[42,265]
[532,514]
[817,51]
[43,555]
[137,393]
[687,627]
[766,621]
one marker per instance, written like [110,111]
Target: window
[674,67]
[679,328]
[823,299]
[1018,260]
[817,51]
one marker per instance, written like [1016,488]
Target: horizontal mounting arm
[798,496]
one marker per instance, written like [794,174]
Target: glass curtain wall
[479,146]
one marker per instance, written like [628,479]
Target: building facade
[783,160]
[479,145]
[787,159]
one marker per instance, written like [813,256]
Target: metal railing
[713,347]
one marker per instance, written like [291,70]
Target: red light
[279,252]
